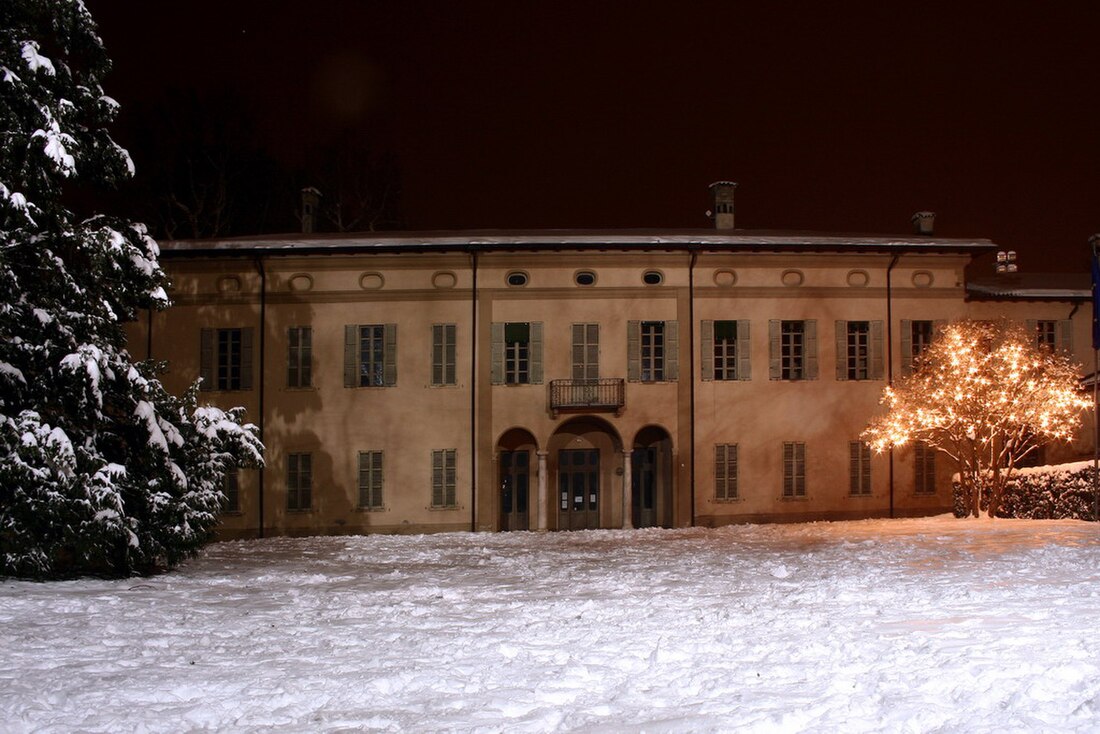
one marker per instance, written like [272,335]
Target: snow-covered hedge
[1062,491]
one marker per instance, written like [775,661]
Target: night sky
[833,117]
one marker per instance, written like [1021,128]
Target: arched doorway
[651,478]
[516,464]
[585,454]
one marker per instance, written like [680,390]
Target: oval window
[585,277]
[652,277]
[517,279]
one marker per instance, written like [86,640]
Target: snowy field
[934,625]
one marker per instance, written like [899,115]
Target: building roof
[1032,286]
[702,240]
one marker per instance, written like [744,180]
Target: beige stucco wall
[411,419]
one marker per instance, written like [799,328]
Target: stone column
[628,490]
[543,500]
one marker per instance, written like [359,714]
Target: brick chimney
[722,210]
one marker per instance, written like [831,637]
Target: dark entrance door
[579,489]
[515,472]
[644,480]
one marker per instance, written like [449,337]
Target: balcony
[605,394]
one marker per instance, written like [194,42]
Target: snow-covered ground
[932,625]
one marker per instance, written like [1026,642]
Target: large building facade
[565,380]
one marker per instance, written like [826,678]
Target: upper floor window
[725,350]
[651,350]
[370,355]
[793,349]
[916,336]
[225,359]
[516,353]
[653,277]
[1055,335]
[859,350]
[516,279]
[299,372]
[586,351]
[444,371]
[585,277]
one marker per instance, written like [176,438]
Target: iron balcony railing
[602,394]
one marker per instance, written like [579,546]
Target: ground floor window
[370,480]
[725,471]
[859,468]
[794,469]
[443,478]
[299,481]
[925,463]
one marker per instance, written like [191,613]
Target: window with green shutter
[792,347]
[924,458]
[225,359]
[299,481]
[725,471]
[794,469]
[299,370]
[444,370]
[370,480]
[370,355]
[859,468]
[443,479]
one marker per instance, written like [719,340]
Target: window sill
[372,509]
[448,386]
[306,511]
[308,388]
[801,498]
[444,508]
[860,496]
[729,501]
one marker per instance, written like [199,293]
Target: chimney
[311,201]
[722,192]
[1006,262]
[923,223]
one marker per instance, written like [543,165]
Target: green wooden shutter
[877,362]
[744,350]
[906,347]
[351,355]
[1065,336]
[706,355]
[535,352]
[389,355]
[496,353]
[246,358]
[634,350]
[206,359]
[842,350]
[672,350]
[811,349]
[775,364]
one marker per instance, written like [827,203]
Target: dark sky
[831,116]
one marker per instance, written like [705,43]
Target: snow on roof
[1035,286]
[550,239]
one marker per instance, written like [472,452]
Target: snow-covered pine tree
[101,470]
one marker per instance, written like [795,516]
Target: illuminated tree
[987,396]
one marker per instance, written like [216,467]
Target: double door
[578,489]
